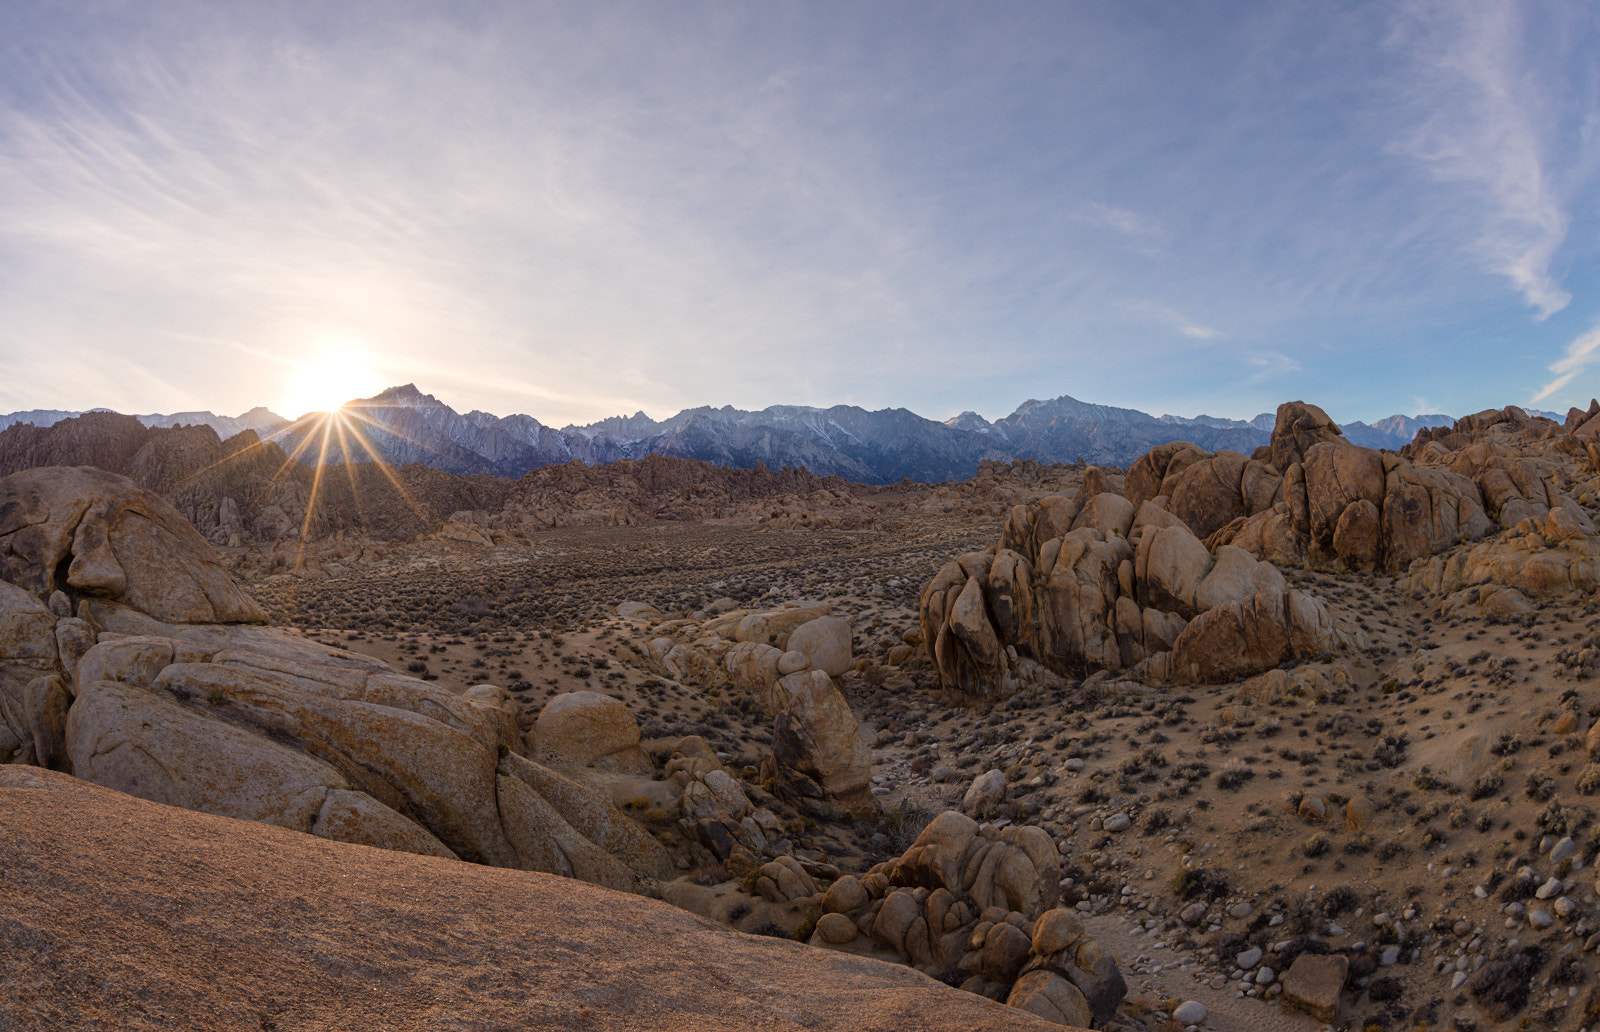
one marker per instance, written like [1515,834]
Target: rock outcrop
[129,658]
[786,660]
[1171,577]
[1091,583]
[1311,495]
[976,904]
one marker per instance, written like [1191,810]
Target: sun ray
[350,472]
[311,505]
[388,471]
[294,456]
[260,443]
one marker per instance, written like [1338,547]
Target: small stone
[1565,908]
[1192,914]
[1189,1012]
[1265,976]
[1563,850]
[1458,979]
[1118,822]
[1073,764]
[1540,918]
[1313,983]
[1549,890]
[1249,958]
[1240,910]
[1390,957]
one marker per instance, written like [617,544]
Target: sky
[578,210]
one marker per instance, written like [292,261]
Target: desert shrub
[1557,820]
[902,823]
[1234,774]
[1155,819]
[1200,883]
[1502,986]
[1390,849]
[1487,784]
[1339,900]
[1391,749]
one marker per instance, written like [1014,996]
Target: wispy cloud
[1581,354]
[1269,366]
[1143,231]
[1174,320]
[1483,124]
[574,210]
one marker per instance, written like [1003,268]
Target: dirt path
[1226,1010]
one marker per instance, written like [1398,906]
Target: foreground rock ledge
[120,913]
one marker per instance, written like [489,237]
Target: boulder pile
[787,660]
[1310,495]
[1095,583]
[129,658]
[975,905]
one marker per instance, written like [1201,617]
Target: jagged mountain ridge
[404,425]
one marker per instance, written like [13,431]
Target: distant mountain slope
[403,425]
[1384,432]
[262,420]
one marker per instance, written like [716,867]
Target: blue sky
[576,210]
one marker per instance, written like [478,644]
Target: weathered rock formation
[1541,482]
[977,904]
[1170,575]
[129,658]
[1311,496]
[1091,583]
[786,659]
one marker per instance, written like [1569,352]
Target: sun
[327,378]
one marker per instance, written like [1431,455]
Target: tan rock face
[1299,427]
[818,747]
[1313,984]
[825,641]
[113,541]
[579,729]
[106,882]
[1052,998]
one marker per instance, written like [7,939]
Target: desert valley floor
[1407,790]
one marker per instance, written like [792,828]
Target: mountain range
[403,425]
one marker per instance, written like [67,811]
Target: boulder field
[131,660]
